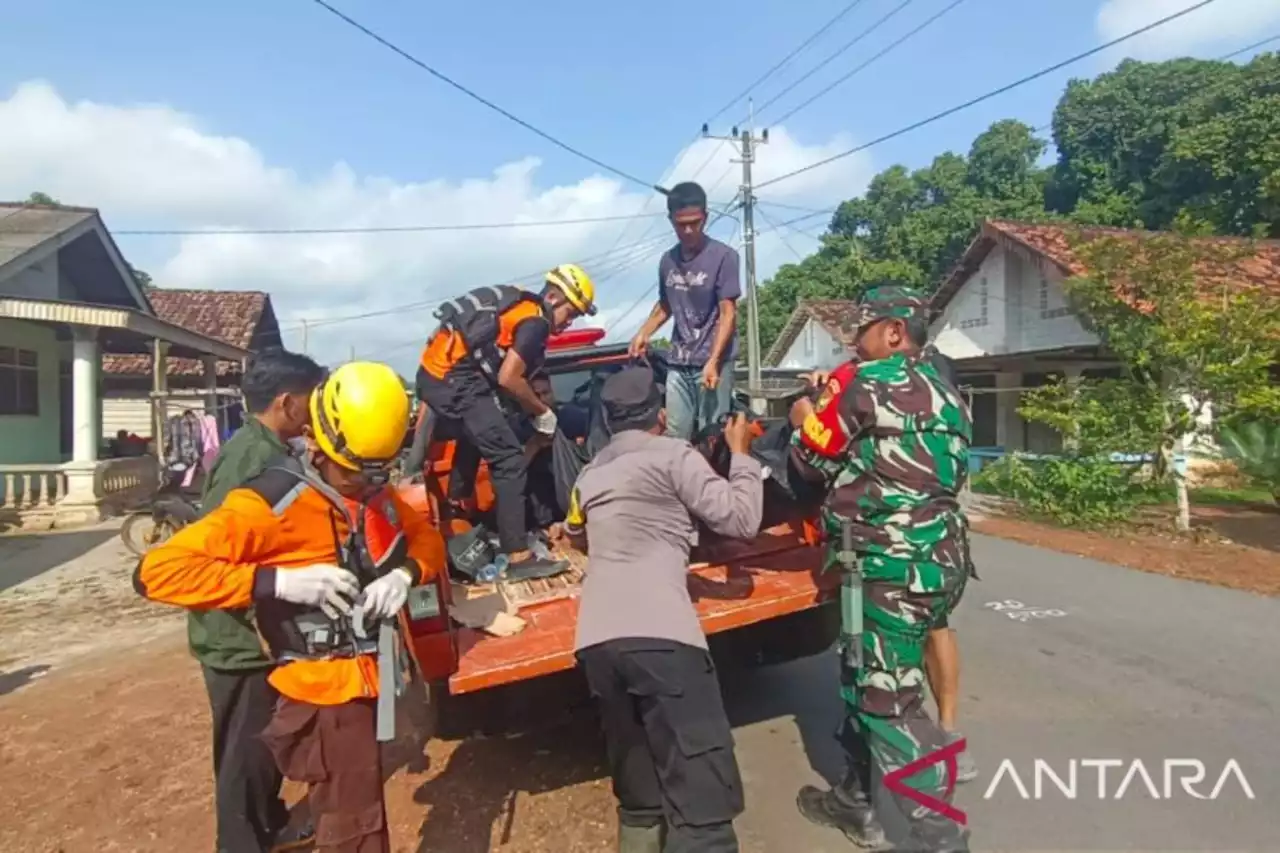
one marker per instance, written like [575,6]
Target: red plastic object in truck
[575,338]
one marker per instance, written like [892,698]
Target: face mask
[297,446]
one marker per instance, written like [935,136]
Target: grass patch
[1212,496]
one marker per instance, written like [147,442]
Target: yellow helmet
[360,415]
[573,281]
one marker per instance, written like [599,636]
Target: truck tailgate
[770,576]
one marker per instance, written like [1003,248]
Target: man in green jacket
[251,816]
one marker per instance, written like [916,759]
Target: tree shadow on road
[19,678]
[24,556]
[806,690]
[549,740]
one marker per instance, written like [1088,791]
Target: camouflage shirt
[892,438]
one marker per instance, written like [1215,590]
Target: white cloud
[153,166]
[1219,26]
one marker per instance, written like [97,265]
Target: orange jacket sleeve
[426,545]
[213,563]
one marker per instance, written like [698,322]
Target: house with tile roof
[240,318]
[817,335]
[1002,315]
[68,302]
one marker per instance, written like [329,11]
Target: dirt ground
[104,732]
[1231,546]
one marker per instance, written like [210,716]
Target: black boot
[845,807]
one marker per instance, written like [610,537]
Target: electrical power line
[858,69]
[637,258]
[444,78]
[1233,54]
[989,95]
[431,303]
[778,228]
[375,229]
[792,55]
[884,19]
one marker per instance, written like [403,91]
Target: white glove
[384,597]
[545,423]
[328,587]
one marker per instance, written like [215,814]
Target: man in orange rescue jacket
[325,552]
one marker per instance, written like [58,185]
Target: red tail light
[431,641]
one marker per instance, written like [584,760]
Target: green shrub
[1255,448]
[1071,491]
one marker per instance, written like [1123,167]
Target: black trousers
[669,743]
[469,414]
[247,782]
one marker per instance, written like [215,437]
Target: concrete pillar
[85,432]
[210,364]
[1008,422]
[159,394]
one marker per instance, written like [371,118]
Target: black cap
[631,399]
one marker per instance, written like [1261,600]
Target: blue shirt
[692,290]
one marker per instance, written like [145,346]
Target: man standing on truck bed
[308,542]
[639,641]
[698,286]
[251,817]
[891,437]
[490,341]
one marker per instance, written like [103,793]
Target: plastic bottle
[494,570]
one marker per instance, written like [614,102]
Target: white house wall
[814,348]
[974,323]
[1008,306]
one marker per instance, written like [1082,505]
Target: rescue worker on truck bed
[303,542]
[491,340]
[639,641]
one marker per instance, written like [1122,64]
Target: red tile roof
[1052,243]
[834,315]
[231,316]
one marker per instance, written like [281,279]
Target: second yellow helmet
[573,281]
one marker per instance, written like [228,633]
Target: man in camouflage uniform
[890,438]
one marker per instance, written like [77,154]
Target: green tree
[1184,345]
[911,227]
[142,277]
[1157,144]
[42,198]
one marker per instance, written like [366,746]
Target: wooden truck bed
[775,574]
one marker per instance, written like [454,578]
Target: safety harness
[374,545]
[475,317]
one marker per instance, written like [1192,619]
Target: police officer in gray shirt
[639,641]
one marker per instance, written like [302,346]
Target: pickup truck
[761,601]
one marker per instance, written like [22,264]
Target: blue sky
[278,93]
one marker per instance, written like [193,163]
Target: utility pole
[304,337]
[747,140]
[353,353]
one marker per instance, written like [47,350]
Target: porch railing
[37,492]
[25,488]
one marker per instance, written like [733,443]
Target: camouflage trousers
[886,726]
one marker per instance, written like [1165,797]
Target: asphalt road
[1136,668]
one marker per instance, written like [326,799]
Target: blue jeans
[690,407]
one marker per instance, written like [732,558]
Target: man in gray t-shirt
[639,641]
[698,288]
